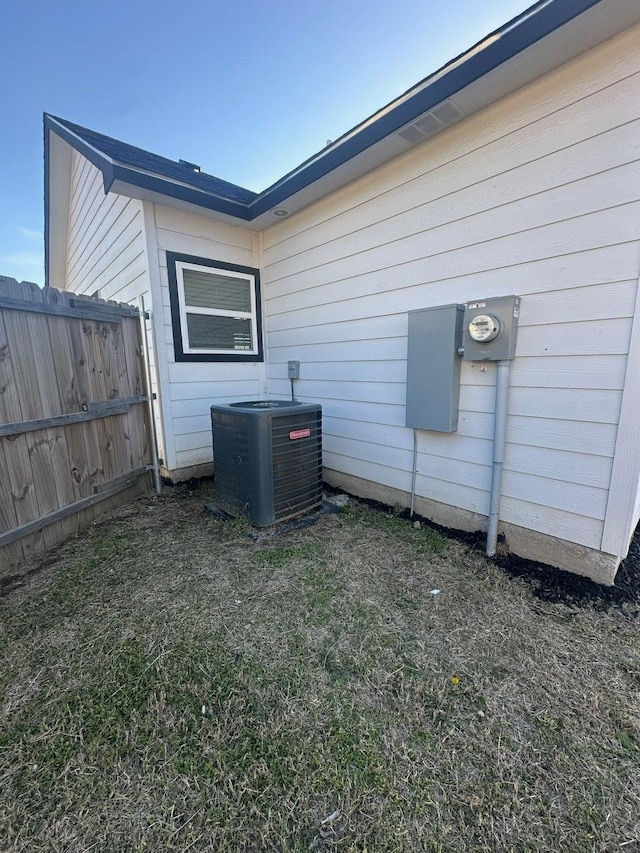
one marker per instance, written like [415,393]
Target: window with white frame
[215,309]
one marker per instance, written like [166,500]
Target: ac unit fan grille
[232,455]
[297,464]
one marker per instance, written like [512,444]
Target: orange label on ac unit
[299,433]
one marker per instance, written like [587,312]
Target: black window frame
[174,299]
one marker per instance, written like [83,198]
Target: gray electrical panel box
[490,328]
[433,368]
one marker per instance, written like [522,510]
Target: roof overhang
[548,35]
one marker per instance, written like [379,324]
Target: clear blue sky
[248,89]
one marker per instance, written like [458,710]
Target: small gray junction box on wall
[433,368]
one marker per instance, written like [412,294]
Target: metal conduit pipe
[155,460]
[499,441]
[414,472]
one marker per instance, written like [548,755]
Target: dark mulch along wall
[550,584]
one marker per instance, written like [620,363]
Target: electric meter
[484,328]
[490,328]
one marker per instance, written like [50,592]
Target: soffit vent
[427,125]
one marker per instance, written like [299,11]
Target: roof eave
[485,73]
[498,48]
[124,176]
[101,161]
[116,173]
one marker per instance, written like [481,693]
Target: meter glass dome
[484,328]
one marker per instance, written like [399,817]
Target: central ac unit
[267,459]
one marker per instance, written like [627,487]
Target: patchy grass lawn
[170,683]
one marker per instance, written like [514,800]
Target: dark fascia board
[46,202]
[113,171]
[502,45]
[182,192]
[99,160]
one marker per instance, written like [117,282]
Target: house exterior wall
[105,247]
[538,195]
[190,388]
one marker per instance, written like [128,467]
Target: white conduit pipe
[499,441]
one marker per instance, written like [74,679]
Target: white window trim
[211,312]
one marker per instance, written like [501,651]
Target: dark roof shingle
[138,158]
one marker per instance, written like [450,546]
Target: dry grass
[170,683]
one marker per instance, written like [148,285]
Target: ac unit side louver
[267,459]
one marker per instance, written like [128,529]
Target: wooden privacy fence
[74,418]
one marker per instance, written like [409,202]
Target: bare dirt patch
[172,681]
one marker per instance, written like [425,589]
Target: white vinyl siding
[192,387]
[105,248]
[539,196]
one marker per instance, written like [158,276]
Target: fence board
[20,477]
[80,311]
[10,408]
[137,376]
[63,360]
[102,409]
[78,461]
[34,542]
[93,472]
[8,518]
[49,475]
[71,508]
[90,437]
[121,380]
[48,448]
[71,380]
[16,495]
[97,354]
[25,366]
